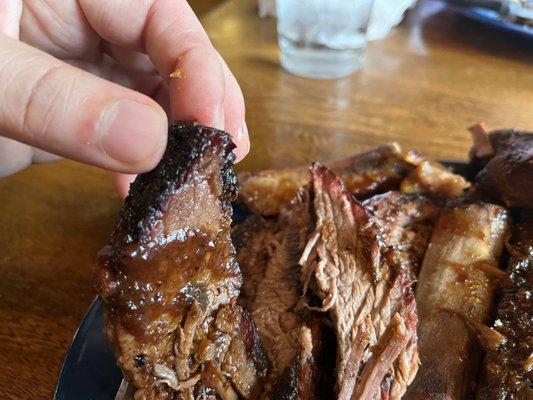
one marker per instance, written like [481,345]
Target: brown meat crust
[407,222]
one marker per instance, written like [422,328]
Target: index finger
[169,32]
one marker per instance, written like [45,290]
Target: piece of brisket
[505,160]
[508,368]
[433,179]
[407,222]
[364,174]
[277,309]
[169,279]
[455,290]
[370,303]
[255,240]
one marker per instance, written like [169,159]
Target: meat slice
[298,344]
[407,222]
[508,368]
[374,171]
[255,240]
[506,172]
[277,309]
[369,302]
[432,179]
[309,376]
[455,289]
[169,279]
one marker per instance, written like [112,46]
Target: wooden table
[423,85]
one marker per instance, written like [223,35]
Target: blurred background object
[511,16]
[203,6]
[324,38]
[385,15]
[267,8]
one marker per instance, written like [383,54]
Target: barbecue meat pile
[169,278]
[371,277]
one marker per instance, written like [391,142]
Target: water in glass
[322,38]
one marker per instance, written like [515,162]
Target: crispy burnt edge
[149,193]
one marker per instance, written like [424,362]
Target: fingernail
[220,120]
[242,142]
[131,132]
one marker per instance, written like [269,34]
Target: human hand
[90,80]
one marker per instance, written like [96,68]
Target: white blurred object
[323,38]
[267,8]
[385,15]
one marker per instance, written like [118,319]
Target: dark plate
[493,19]
[89,371]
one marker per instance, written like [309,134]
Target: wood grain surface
[423,85]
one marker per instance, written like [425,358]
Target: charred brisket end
[186,145]
[506,175]
[456,288]
[369,302]
[508,367]
[169,278]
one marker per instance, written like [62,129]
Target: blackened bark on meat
[374,171]
[370,302]
[506,173]
[169,279]
[455,285]
[508,367]
[149,195]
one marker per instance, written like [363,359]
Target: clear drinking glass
[322,38]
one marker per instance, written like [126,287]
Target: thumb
[63,110]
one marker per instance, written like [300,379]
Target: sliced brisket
[433,179]
[369,302]
[407,222]
[255,240]
[374,171]
[169,279]
[277,309]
